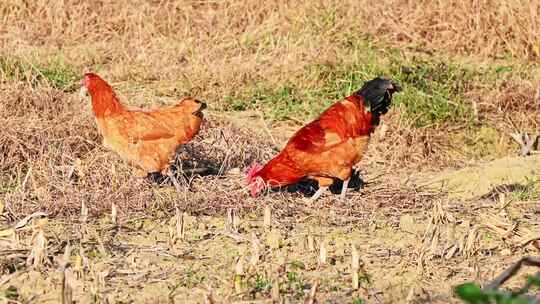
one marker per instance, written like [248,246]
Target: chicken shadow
[189,163]
[308,187]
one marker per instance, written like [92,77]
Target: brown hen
[146,139]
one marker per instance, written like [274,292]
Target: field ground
[445,200]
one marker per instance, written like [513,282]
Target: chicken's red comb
[252,170]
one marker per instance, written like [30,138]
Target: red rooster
[328,147]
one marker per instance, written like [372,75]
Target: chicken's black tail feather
[377,94]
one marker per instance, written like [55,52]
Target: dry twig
[526,142]
[511,271]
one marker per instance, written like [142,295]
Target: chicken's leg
[344,189]
[157,178]
[318,193]
[175,183]
[324,183]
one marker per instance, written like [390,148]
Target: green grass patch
[8,186]
[293,285]
[529,191]
[191,278]
[276,104]
[260,284]
[433,90]
[56,73]
[10,293]
[471,293]
[480,142]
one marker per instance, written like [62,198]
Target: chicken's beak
[199,113]
[395,87]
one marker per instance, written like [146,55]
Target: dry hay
[487,28]
[49,134]
[514,106]
[492,28]
[52,160]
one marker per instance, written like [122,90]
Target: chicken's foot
[344,189]
[318,193]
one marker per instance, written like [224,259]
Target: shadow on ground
[308,187]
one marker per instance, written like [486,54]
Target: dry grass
[213,48]
[486,28]
[50,134]
[514,106]
[284,61]
[494,28]
[222,51]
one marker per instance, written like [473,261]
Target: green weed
[297,265]
[191,278]
[471,293]
[294,285]
[260,284]
[10,293]
[96,254]
[8,186]
[529,191]
[278,103]
[57,74]
[434,92]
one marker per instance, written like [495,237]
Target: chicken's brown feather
[145,139]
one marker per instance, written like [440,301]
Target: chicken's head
[256,183]
[92,81]
[193,106]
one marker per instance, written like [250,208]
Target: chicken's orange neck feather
[104,100]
